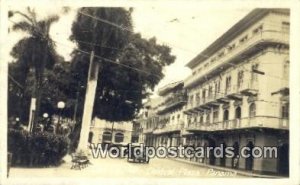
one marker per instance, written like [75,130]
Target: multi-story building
[238,93]
[149,120]
[102,131]
[170,117]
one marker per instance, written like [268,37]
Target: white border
[294,88]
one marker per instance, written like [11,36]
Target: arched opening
[119,137]
[252,110]
[225,118]
[212,158]
[249,160]
[238,115]
[90,139]
[235,159]
[106,137]
[283,159]
[223,158]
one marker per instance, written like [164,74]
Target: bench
[79,161]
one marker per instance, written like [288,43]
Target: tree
[120,89]
[54,87]
[35,52]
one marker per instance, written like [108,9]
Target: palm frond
[51,19]
[23,26]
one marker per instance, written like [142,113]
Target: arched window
[238,113]
[252,110]
[226,115]
[119,137]
[106,136]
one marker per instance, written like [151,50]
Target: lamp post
[45,115]
[60,106]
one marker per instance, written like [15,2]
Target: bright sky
[187,31]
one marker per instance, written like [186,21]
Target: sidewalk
[239,172]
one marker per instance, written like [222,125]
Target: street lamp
[60,106]
[45,115]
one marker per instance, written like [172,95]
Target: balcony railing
[169,128]
[257,122]
[265,36]
[148,130]
[176,99]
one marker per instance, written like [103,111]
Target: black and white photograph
[149,92]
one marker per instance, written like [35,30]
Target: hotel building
[238,92]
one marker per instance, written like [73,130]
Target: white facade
[102,130]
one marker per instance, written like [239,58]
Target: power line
[120,27]
[112,61]
[15,81]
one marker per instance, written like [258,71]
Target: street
[109,168]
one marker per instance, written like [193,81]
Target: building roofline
[229,35]
[167,88]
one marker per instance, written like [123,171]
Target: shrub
[37,149]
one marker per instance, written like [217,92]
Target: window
[252,110]
[238,113]
[217,87]
[207,118]
[258,29]
[285,26]
[198,98]
[242,40]
[285,111]
[240,79]
[119,137]
[90,139]
[146,114]
[228,84]
[230,47]
[178,116]
[226,115]
[204,94]
[210,91]
[213,60]
[254,75]
[221,54]
[215,116]
[201,119]
[106,136]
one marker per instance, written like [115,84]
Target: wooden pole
[88,103]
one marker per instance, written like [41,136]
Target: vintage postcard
[150,93]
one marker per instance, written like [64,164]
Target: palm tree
[37,51]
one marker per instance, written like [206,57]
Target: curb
[239,172]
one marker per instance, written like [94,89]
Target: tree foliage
[36,51]
[120,89]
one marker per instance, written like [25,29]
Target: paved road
[109,168]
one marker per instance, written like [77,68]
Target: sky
[186,30]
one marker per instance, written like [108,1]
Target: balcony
[148,130]
[169,128]
[174,101]
[249,46]
[244,123]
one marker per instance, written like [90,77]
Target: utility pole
[88,103]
